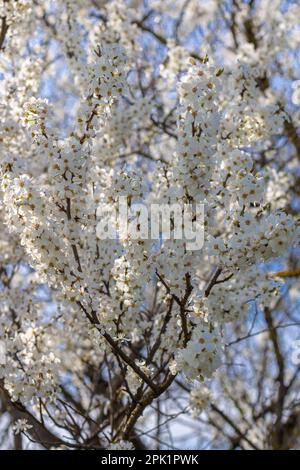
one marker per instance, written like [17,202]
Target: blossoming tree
[106,342]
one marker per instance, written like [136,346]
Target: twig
[212,281]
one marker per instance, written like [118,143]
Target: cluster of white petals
[91,112]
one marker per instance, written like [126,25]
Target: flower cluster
[202,355]
[121,445]
[107,101]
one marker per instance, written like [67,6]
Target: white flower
[200,397]
[21,425]
[296,93]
